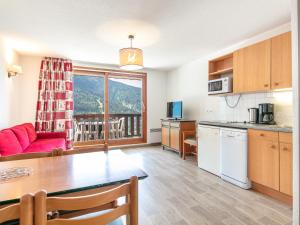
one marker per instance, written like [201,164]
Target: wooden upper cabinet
[281,61]
[251,68]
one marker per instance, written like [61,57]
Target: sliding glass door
[125,107]
[89,109]
[109,108]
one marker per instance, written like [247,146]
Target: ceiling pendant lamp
[131,58]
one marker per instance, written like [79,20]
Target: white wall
[157,98]
[189,84]
[8,86]
[28,91]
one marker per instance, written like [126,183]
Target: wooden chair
[22,211]
[189,144]
[54,152]
[113,128]
[121,128]
[90,204]
[77,131]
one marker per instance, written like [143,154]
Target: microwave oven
[219,86]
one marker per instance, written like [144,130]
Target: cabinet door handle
[276,83]
[230,136]
[262,135]
[273,146]
[285,149]
[266,85]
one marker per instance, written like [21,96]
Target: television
[174,110]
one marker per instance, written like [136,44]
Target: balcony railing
[89,127]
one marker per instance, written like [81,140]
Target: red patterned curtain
[55,98]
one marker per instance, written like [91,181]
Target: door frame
[295,27]
[107,73]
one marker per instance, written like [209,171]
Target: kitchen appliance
[218,86]
[209,157]
[234,153]
[253,115]
[174,110]
[266,113]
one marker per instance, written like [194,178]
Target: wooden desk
[172,133]
[69,174]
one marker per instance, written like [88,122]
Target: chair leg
[183,151]
[196,150]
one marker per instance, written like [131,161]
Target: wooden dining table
[69,175]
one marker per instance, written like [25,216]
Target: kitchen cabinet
[286,162]
[251,68]
[260,67]
[281,61]
[270,162]
[263,162]
[172,133]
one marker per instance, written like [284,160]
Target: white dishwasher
[209,157]
[234,157]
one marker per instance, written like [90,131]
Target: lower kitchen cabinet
[270,159]
[286,163]
[263,159]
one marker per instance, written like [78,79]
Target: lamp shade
[131,58]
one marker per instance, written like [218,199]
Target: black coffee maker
[266,113]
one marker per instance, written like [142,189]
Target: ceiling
[171,32]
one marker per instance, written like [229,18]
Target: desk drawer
[174,124]
[165,123]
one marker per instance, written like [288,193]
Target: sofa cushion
[21,133]
[46,145]
[30,131]
[9,144]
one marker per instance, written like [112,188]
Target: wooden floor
[177,192]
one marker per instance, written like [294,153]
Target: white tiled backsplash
[283,106]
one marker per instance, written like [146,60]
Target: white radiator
[155,135]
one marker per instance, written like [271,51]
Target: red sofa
[23,139]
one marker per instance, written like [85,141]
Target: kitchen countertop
[242,125]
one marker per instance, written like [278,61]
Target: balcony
[90,127]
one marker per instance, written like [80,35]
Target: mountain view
[89,96]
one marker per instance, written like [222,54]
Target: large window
[109,107]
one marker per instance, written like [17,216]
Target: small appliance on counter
[266,113]
[253,115]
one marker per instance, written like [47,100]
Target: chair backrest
[23,211]
[32,155]
[121,124]
[44,204]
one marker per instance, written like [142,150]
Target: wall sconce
[14,70]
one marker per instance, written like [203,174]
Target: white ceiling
[171,32]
